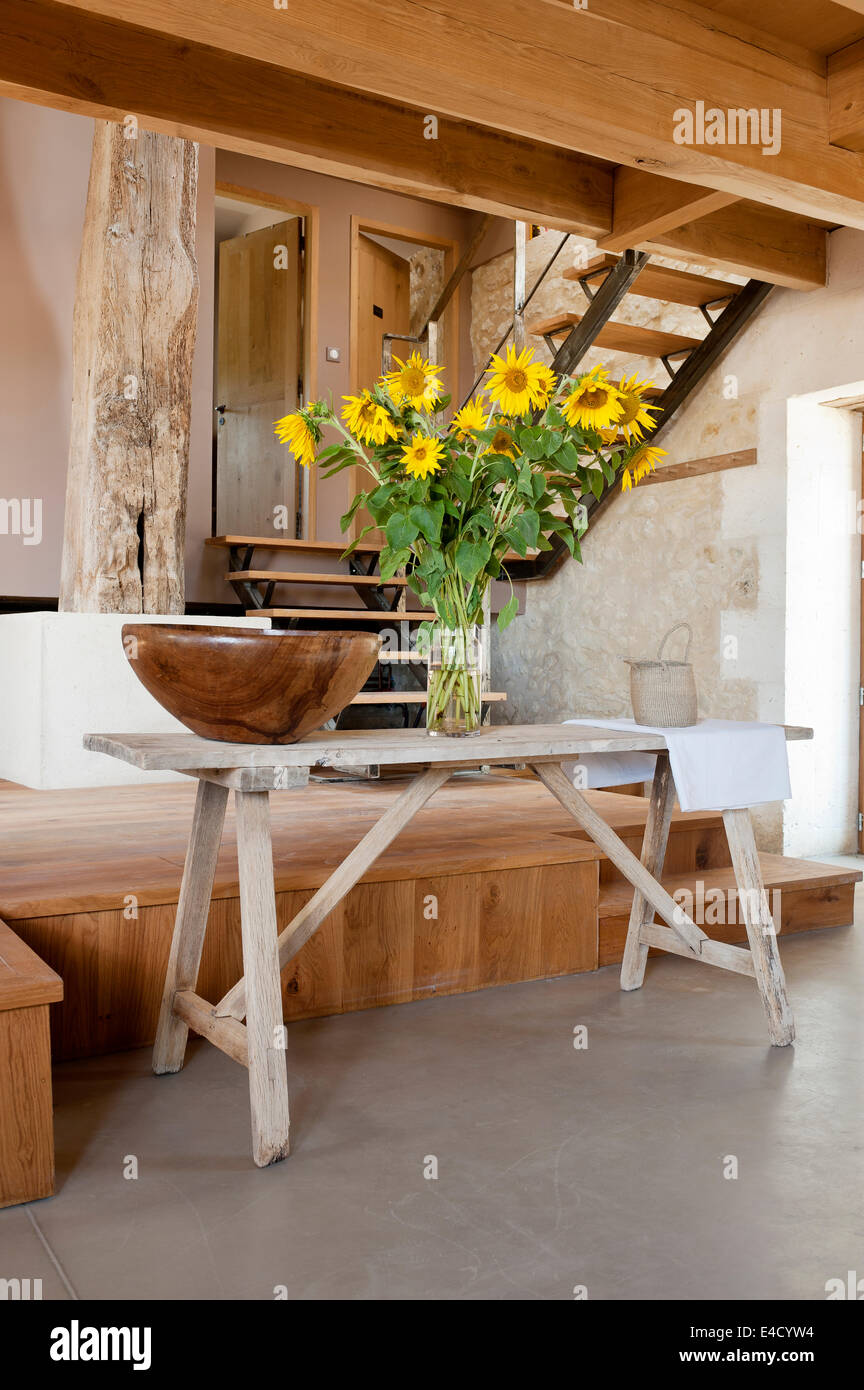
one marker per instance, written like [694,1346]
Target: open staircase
[605,281]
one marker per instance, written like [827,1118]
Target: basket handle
[676,628]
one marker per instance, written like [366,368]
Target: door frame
[450,247]
[311,215]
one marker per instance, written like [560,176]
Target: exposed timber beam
[644,206]
[748,239]
[846,96]
[133,340]
[606,80]
[56,55]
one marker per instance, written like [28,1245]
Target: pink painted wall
[44,167]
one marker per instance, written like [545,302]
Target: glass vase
[455,666]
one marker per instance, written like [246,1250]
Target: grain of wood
[504,743]
[761,930]
[653,855]
[191,923]
[133,340]
[268,1080]
[225,1033]
[652,891]
[712,953]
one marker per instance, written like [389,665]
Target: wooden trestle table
[253,771]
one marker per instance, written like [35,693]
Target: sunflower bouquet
[455,502]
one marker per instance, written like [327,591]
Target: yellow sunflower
[546,383]
[502,444]
[414,382]
[422,456]
[472,416]
[295,431]
[635,411]
[517,383]
[368,420]
[594,403]
[644,461]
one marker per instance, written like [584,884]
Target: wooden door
[382,305]
[259,365]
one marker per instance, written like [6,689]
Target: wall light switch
[333,354]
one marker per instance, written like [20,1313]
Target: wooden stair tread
[354,615]
[302,547]
[25,979]
[619,337]
[410,697]
[662,282]
[777,872]
[367,581]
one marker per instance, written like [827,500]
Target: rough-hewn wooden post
[134,334]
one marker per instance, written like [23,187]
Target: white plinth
[64,675]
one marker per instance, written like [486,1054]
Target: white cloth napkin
[718,764]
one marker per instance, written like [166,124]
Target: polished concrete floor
[601,1167]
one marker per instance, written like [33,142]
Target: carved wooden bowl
[250,685]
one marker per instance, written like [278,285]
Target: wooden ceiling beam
[749,239]
[58,56]
[646,205]
[846,96]
[606,80]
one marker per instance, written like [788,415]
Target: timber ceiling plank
[846,96]
[605,81]
[55,54]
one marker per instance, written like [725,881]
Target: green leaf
[528,526]
[471,557]
[525,484]
[568,457]
[596,482]
[349,550]
[345,521]
[460,486]
[428,519]
[391,560]
[517,541]
[508,612]
[401,531]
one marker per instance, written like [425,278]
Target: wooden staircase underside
[726,307]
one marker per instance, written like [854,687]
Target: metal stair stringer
[724,330]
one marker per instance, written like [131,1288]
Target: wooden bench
[27,987]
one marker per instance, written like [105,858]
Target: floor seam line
[64,1278]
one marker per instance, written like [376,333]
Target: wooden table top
[505,743]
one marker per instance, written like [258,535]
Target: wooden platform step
[355,581]
[661,282]
[326,548]
[344,615]
[631,338]
[808,895]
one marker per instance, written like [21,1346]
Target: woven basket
[663,693]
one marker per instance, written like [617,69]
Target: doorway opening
[262,362]
[397,277]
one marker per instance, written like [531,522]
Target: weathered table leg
[268,1081]
[761,931]
[190,924]
[653,855]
